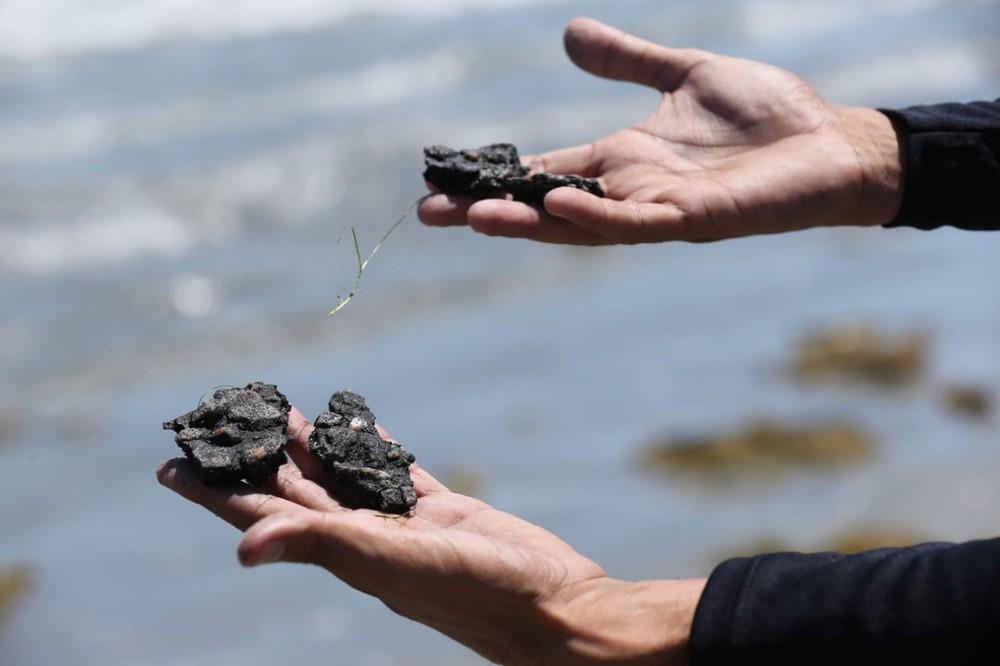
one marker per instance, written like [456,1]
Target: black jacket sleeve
[935,603]
[951,165]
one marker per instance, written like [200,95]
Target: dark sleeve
[951,165]
[935,603]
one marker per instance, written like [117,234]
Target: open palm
[735,148]
[478,575]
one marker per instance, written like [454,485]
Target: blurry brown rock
[973,402]
[764,545]
[464,481]
[870,537]
[852,540]
[16,583]
[861,354]
[763,447]
[8,426]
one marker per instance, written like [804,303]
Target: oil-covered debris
[367,472]
[238,433]
[861,354]
[762,448]
[16,583]
[974,402]
[533,189]
[493,170]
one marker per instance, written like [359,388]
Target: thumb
[306,537]
[608,52]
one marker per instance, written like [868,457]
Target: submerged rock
[16,583]
[861,354]
[238,433]
[465,481]
[367,472]
[871,537]
[8,426]
[493,170]
[765,447]
[974,402]
[854,539]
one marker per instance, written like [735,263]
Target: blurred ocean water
[174,178]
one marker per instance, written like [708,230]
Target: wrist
[876,143]
[609,621]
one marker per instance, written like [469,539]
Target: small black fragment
[367,471]
[534,188]
[238,433]
[492,170]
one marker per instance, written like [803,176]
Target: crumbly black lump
[367,472]
[492,170]
[238,433]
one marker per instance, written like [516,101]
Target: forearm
[935,603]
[608,621]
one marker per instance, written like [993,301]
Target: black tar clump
[367,471]
[492,170]
[238,433]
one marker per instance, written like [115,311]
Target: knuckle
[607,214]
[288,476]
[260,504]
[300,430]
[317,548]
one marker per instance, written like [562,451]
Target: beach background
[174,178]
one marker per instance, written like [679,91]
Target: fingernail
[162,472]
[271,552]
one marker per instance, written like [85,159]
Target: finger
[620,221]
[497,217]
[579,160]
[332,540]
[308,482]
[290,484]
[384,434]
[299,429]
[514,219]
[424,483]
[608,52]
[239,505]
[297,538]
[444,210]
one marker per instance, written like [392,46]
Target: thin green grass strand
[363,264]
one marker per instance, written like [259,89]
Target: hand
[509,590]
[736,148]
